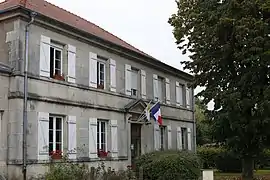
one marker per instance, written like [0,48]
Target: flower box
[59,77]
[56,154]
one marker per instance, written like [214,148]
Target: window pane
[57,64]
[57,72]
[102,126]
[50,147]
[58,146]
[57,54]
[58,136]
[50,122]
[98,126]
[58,123]
[160,89]
[134,80]
[103,140]
[50,136]
[103,147]
[102,68]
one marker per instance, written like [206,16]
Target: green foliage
[171,165]
[230,50]
[209,156]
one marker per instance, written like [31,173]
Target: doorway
[135,142]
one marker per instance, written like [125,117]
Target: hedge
[171,165]
[226,161]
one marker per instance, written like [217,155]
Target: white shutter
[114,138]
[177,89]
[43,136]
[128,79]
[143,84]
[71,64]
[155,86]
[169,131]
[157,144]
[44,62]
[93,138]
[113,75]
[188,99]
[189,138]
[168,93]
[72,137]
[179,138]
[93,70]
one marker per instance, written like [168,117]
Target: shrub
[228,161]
[171,165]
[209,156]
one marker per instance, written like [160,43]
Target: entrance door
[135,141]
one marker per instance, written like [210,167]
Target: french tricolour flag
[156,113]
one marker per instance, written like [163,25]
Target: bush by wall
[173,165]
[227,161]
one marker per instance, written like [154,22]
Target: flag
[147,112]
[156,113]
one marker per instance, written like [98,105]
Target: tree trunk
[247,168]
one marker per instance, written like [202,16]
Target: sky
[143,24]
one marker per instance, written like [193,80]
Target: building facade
[87,91]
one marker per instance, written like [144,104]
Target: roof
[47,9]
[61,15]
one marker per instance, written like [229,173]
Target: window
[56,62]
[101,70]
[160,88]
[55,133]
[162,134]
[102,135]
[180,99]
[134,82]
[184,138]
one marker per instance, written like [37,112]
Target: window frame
[161,82]
[99,62]
[59,48]
[99,138]
[181,89]
[184,138]
[162,130]
[135,71]
[54,132]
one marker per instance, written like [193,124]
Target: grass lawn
[259,174]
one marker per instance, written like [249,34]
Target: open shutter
[157,144]
[113,75]
[43,136]
[44,62]
[189,138]
[93,138]
[72,137]
[71,64]
[128,79]
[188,99]
[114,138]
[179,138]
[93,70]
[168,93]
[169,135]
[177,89]
[155,86]
[143,84]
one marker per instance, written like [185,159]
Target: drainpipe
[25,122]
[194,120]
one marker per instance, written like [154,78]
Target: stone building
[86,91]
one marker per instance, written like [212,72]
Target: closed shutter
[114,138]
[128,79]
[93,70]
[155,86]
[168,93]
[179,138]
[169,135]
[71,64]
[72,137]
[44,62]
[143,84]
[189,138]
[43,136]
[157,144]
[188,99]
[113,75]
[93,138]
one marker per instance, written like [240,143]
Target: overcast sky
[142,23]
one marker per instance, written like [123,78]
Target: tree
[203,128]
[229,42]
